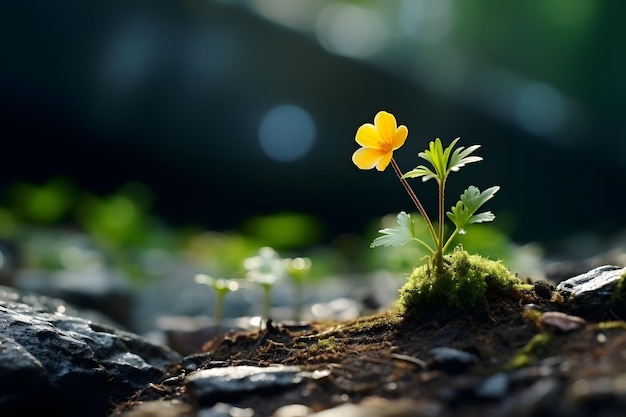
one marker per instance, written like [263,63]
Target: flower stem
[416,201]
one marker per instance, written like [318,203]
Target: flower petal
[386,125]
[368,136]
[399,137]
[384,161]
[366,158]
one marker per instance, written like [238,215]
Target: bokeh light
[286,133]
[350,30]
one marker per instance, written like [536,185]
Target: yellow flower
[378,141]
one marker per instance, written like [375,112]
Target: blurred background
[206,129]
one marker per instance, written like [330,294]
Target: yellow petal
[386,125]
[368,136]
[366,158]
[400,136]
[384,161]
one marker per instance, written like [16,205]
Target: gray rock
[494,387]
[53,363]
[591,292]
[207,385]
[451,360]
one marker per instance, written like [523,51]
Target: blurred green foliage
[119,231]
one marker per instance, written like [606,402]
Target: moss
[325,344]
[611,325]
[526,355]
[464,286]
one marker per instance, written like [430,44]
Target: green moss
[463,286]
[526,355]
[611,325]
[325,344]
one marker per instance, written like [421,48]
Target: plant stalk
[439,252]
[417,203]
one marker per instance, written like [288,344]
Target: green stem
[297,316]
[450,240]
[267,292]
[439,253]
[416,201]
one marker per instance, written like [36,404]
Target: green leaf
[400,235]
[462,214]
[461,157]
[443,160]
[420,171]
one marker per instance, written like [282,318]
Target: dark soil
[389,356]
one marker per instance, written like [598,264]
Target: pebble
[589,292]
[452,360]
[379,407]
[293,410]
[207,385]
[561,322]
[493,387]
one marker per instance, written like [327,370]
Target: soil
[389,356]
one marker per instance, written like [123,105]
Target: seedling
[221,287]
[378,142]
[298,269]
[265,269]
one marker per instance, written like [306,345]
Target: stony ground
[505,361]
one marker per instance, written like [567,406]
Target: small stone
[543,289]
[538,399]
[452,360]
[377,407]
[494,387]
[591,292]
[209,384]
[158,408]
[597,389]
[293,410]
[562,322]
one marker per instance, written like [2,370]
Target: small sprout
[298,269]
[265,269]
[221,287]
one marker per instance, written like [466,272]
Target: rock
[66,365]
[101,289]
[158,408]
[538,399]
[561,322]
[452,360]
[293,410]
[493,387]
[591,292]
[380,407]
[597,391]
[208,385]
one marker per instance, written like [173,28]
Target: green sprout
[378,142]
[221,287]
[298,269]
[265,269]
